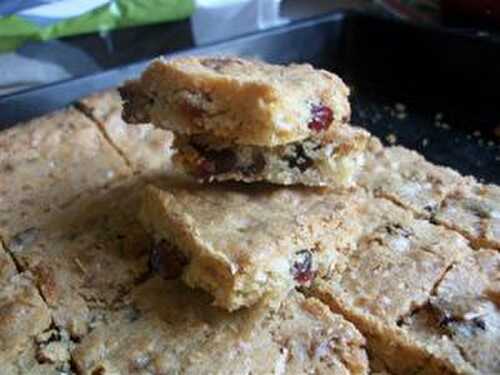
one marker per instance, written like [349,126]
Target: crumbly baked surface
[332,160]
[48,162]
[236,100]
[391,274]
[89,258]
[77,251]
[240,243]
[146,148]
[461,321]
[23,316]
[433,192]
[405,177]
[7,266]
[474,211]
[168,328]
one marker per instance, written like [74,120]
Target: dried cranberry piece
[217,162]
[302,267]
[206,168]
[322,117]
[225,160]
[166,260]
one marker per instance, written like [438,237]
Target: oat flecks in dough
[174,329]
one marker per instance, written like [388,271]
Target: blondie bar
[237,101]
[406,178]
[88,258]
[332,160]
[460,324]
[169,328]
[48,162]
[245,120]
[242,242]
[388,277]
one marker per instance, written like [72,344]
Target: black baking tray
[429,89]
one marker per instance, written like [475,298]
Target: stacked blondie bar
[112,262]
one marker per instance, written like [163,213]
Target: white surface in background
[63,9]
[216,20]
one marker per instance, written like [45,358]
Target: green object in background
[16,30]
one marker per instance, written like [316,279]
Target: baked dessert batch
[340,257]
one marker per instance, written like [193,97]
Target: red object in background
[485,10]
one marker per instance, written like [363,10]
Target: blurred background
[44,41]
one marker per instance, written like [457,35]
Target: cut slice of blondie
[168,328]
[461,321]
[388,277]
[240,243]
[331,160]
[48,162]
[406,178]
[237,101]
[88,258]
[474,211]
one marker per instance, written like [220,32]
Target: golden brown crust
[236,100]
[245,242]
